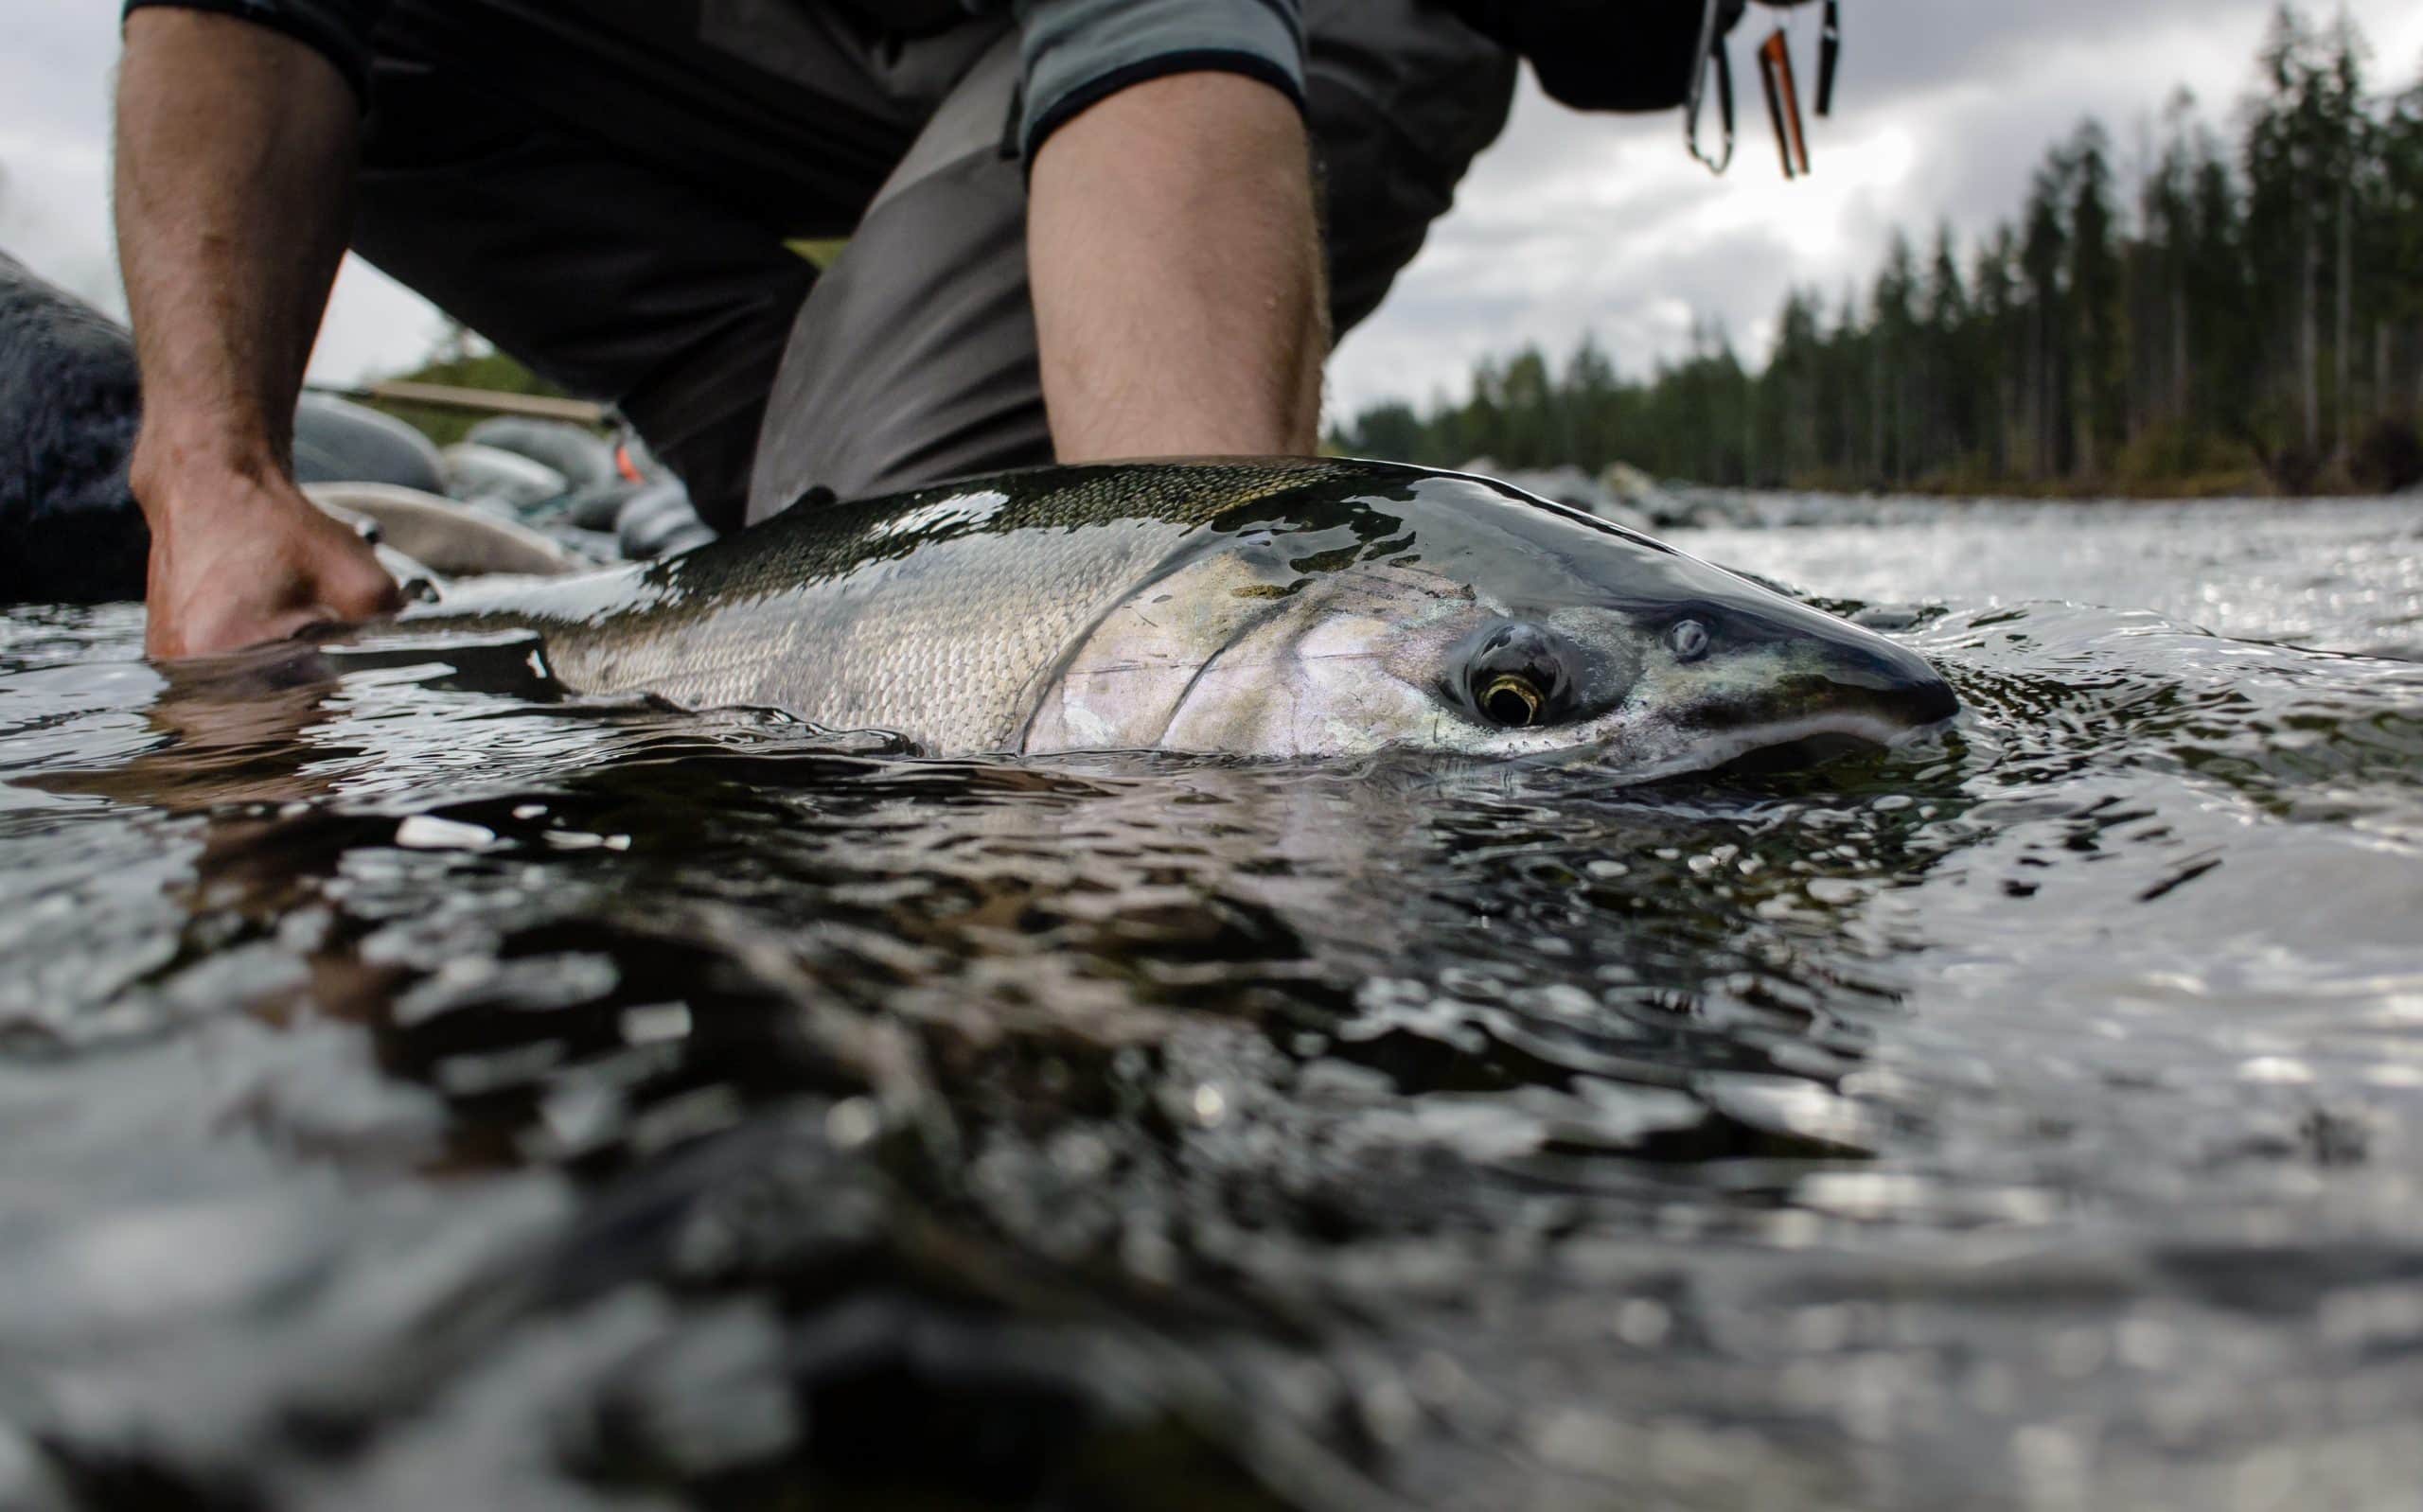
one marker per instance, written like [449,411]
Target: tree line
[2240,303]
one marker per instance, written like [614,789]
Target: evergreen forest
[2240,308]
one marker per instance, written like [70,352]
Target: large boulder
[583,457]
[659,520]
[1655,502]
[491,475]
[1568,485]
[444,535]
[595,486]
[338,441]
[69,529]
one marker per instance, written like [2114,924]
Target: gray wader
[604,191]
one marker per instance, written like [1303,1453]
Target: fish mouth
[1785,745]
[1870,692]
[1797,750]
[1867,698]
[1794,755]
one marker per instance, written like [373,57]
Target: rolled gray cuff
[1077,52]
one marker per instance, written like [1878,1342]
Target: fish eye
[1688,639]
[1511,700]
[1517,676]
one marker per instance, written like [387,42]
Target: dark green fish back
[930,613]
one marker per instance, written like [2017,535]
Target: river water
[418,1091]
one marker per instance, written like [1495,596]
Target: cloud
[1576,223]
[1570,223]
[48,215]
[55,82]
[54,164]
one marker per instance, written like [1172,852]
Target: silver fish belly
[1284,608]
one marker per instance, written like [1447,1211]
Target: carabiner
[1710,54]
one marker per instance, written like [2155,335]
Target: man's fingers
[245,561]
[168,638]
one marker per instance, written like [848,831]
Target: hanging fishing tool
[1710,57]
[1776,77]
[1654,55]
[1783,103]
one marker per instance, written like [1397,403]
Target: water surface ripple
[424,1091]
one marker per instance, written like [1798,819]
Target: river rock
[1567,486]
[658,520]
[475,471]
[338,441]
[447,536]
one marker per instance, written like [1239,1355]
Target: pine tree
[2097,370]
[2264,300]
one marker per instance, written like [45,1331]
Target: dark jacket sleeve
[339,30]
[1639,57]
[1077,52]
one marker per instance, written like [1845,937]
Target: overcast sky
[1570,223]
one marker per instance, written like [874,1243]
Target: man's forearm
[234,159]
[235,156]
[1179,301]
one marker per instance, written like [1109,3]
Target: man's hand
[237,560]
[235,153]
[1179,302]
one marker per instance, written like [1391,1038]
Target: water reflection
[430,1091]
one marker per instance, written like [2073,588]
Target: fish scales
[1284,608]
[930,613]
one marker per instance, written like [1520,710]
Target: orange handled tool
[1783,103]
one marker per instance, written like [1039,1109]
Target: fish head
[1434,612]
